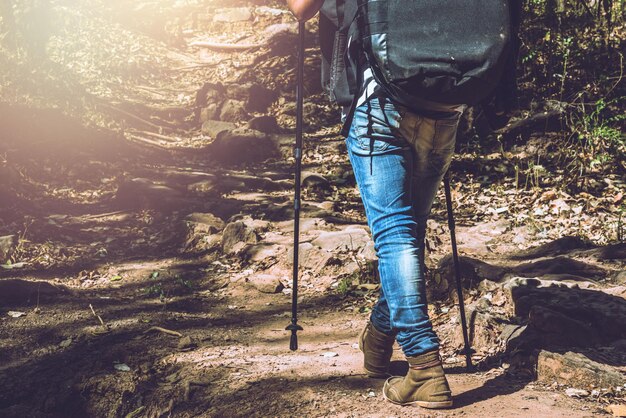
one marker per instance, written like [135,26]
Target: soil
[113,305]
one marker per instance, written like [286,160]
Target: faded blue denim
[399,159]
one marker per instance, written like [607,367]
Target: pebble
[576,393]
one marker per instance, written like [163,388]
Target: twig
[130,115]
[96,315]
[164,331]
[163,137]
[146,141]
[225,47]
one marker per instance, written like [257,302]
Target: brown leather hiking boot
[425,384]
[377,348]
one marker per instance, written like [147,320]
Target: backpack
[339,78]
[453,52]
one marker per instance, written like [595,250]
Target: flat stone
[213,128]
[266,283]
[351,240]
[206,222]
[311,257]
[575,369]
[7,245]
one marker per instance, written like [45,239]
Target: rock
[235,14]
[205,187]
[483,329]
[310,257]
[613,252]
[368,253]
[233,111]
[213,128]
[206,222]
[17,292]
[594,310]
[314,181]
[237,233]
[186,343]
[574,369]
[559,265]
[558,330]
[576,393]
[243,145]
[270,11]
[141,193]
[266,124]
[202,231]
[556,247]
[349,239]
[260,98]
[210,93]
[513,336]
[617,410]
[7,246]
[266,283]
[210,112]
[256,97]
[441,283]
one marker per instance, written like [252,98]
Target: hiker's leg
[433,146]
[383,165]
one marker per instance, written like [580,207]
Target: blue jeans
[399,159]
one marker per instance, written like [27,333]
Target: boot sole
[423,404]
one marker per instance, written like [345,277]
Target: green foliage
[596,137]
[572,59]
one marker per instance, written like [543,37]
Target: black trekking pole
[294,327]
[457,272]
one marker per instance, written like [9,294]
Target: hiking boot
[425,384]
[377,348]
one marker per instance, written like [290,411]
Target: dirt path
[232,361]
[146,237]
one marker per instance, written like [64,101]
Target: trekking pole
[294,327]
[457,271]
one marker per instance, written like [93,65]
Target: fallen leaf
[16,314]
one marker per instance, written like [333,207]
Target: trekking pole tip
[293,341]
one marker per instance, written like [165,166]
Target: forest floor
[146,219]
